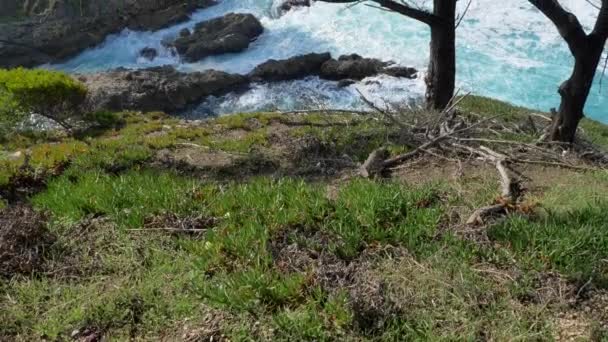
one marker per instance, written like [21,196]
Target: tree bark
[575,91]
[587,52]
[441,74]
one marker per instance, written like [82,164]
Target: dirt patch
[24,241]
[196,158]
[311,157]
[206,163]
[209,328]
[596,307]
[572,326]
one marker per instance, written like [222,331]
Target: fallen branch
[167,229]
[403,157]
[510,193]
[374,165]
[373,106]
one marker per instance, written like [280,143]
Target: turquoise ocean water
[507,51]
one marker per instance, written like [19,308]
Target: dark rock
[159,88]
[289,69]
[347,69]
[288,5]
[355,67]
[185,33]
[64,32]
[346,83]
[148,53]
[397,71]
[351,67]
[351,57]
[228,34]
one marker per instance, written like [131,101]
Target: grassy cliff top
[256,226]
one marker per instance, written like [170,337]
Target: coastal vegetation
[256,226]
[121,219]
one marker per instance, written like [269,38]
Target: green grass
[354,138]
[127,199]
[292,259]
[596,132]
[245,120]
[490,108]
[574,243]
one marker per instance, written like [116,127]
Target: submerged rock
[290,69]
[289,5]
[148,53]
[228,34]
[158,88]
[185,33]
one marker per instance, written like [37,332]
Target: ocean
[508,51]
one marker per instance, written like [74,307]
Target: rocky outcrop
[289,5]
[290,69]
[346,69]
[159,88]
[166,89]
[228,34]
[57,29]
[148,53]
[355,67]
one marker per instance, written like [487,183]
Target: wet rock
[290,69]
[346,83]
[148,53]
[289,5]
[228,34]
[352,67]
[398,71]
[347,69]
[54,31]
[355,67]
[185,33]
[158,88]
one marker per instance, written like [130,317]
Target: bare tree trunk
[441,74]
[575,90]
[587,52]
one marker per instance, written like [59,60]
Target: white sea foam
[509,51]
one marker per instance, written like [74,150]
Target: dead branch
[510,193]
[373,166]
[177,230]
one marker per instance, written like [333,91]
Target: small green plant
[105,119]
[51,94]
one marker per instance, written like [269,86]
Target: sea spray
[508,51]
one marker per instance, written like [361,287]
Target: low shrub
[51,94]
